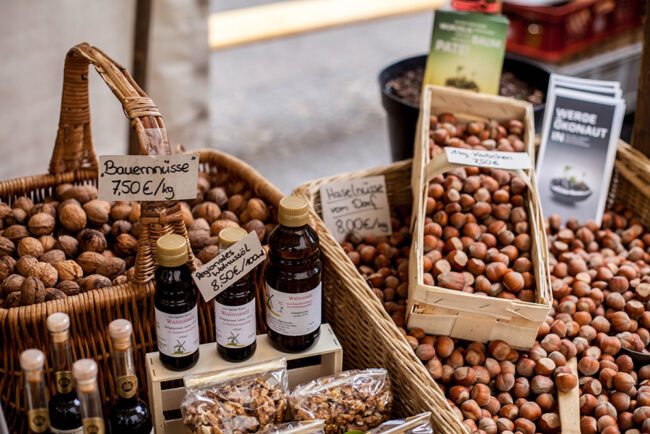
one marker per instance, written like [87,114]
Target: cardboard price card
[359,206]
[148,178]
[229,266]
[494,159]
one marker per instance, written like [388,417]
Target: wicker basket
[367,333]
[74,161]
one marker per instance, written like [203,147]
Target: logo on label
[39,420]
[94,425]
[127,386]
[63,381]
[270,307]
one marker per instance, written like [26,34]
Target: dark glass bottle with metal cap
[293,279]
[129,414]
[65,408]
[32,362]
[177,319]
[235,308]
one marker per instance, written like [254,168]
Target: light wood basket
[442,311]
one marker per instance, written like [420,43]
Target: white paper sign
[494,159]
[150,178]
[359,206]
[229,266]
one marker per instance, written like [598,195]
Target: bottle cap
[293,212]
[120,331]
[58,322]
[229,236]
[171,250]
[84,370]
[32,359]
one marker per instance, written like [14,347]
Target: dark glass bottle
[293,279]
[32,362]
[84,372]
[65,408]
[130,414]
[177,319]
[235,323]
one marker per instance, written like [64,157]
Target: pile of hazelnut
[72,242]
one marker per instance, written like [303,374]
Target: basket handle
[74,149]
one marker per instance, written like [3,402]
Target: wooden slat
[569,404]
[259,23]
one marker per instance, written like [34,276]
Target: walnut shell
[46,208]
[97,211]
[125,245]
[229,215]
[68,244]
[11,284]
[30,246]
[41,224]
[219,225]
[12,300]
[61,189]
[217,195]
[17,216]
[257,226]
[134,215]
[199,224]
[54,294]
[32,290]
[120,227]
[120,280]
[257,210]
[89,261]
[198,238]
[69,270]
[48,242]
[4,210]
[72,217]
[121,210]
[53,257]
[45,272]
[15,233]
[210,211]
[25,263]
[69,287]
[82,193]
[7,266]
[7,247]
[24,203]
[237,204]
[94,281]
[187,214]
[203,184]
[135,229]
[112,267]
[208,253]
[91,240]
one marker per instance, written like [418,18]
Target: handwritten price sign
[150,178]
[359,206]
[493,159]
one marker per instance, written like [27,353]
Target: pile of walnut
[444,130]
[71,242]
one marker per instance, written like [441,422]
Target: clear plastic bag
[350,400]
[297,427]
[419,424]
[237,401]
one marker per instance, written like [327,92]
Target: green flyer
[467,51]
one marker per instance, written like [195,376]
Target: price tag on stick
[229,266]
[493,159]
[150,178]
[359,206]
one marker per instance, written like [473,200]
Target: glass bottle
[234,309]
[293,279]
[129,414]
[177,319]
[32,362]
[84,372]
[65,408]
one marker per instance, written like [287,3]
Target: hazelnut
[588,366]
[425,352]
[565,382]
[623,381]
[530,410]
[541,384]
[465,376]
[504,382]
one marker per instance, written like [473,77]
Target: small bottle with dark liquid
[31,362]
[177,318]
[65,408]
[234,308]
[293,279]
[84,372]
[129,414]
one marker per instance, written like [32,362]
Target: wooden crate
[324,358]
[441,311]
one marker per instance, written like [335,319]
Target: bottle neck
[62,363]
[91,401]
[126,381]
[36,400]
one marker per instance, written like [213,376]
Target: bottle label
[178,334]
[127,386]
[293,314]
[39,420]
[64,382]
[79,430]
[94,425]
[235,325]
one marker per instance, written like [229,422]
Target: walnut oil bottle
[38,419]
[293,279]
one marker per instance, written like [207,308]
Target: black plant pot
[403,115]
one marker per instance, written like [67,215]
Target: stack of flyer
[582,124]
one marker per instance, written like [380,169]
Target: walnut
[134,215]
[69,287]
[41,224]
[112,267]
[82,193]
[91,240]
[217,195]
[105,229]
[24,203]
[16,233]
[200,224]
[45,272]
[7,266]
[53,257]
[69,270]
[208,253]
[61,189]
[120,227]
[11,284]
[198,238]
[187,214]
[229,215]
[97,211]
[135,229]
[219,225]
[235,187]
[130,274]
[94,281]
[67,202]
[120,280]
[32,290]
[237,204]
[25,263]
[72,217]
[125,245]
[17,216]
[210,211]
[54,294]
[244,217]
[30,246]
[68,244]
[7,247]
[48,242]
[4,210]
[258,227]
[47,208]
[89,261]
[12,300]
[257,209]
[203,184]
[121,211]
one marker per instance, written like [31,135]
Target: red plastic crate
[552,33]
